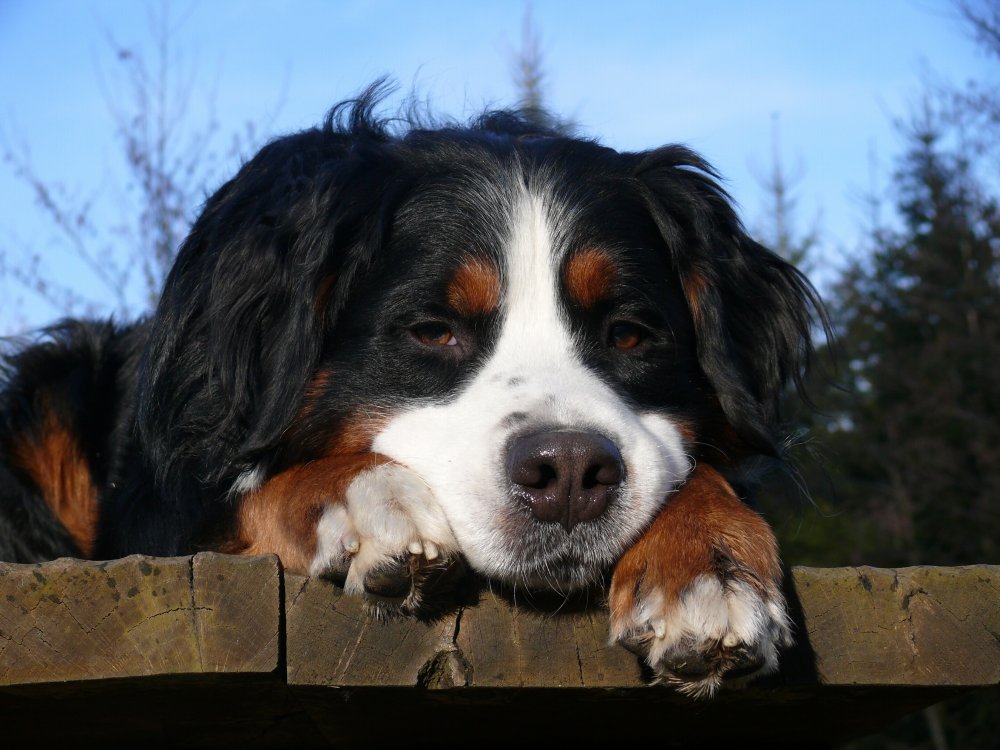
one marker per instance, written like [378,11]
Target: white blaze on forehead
[459,447]
[533,318]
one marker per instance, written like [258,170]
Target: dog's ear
[753,312]
[255,288]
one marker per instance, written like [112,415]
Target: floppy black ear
[260,279]
[753,312]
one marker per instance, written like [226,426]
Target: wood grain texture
[216,650]
[905,626]
[237,612]
[520,646]
[333,640]
[138,616]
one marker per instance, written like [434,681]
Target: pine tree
[919,441]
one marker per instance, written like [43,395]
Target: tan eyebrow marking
[590,276]
[475,287]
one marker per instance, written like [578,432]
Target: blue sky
[633,74]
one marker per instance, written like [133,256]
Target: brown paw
[699,594]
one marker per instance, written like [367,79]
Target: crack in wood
[170,611]
[195,625]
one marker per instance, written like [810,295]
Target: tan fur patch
[694,288]
[590,277]
[280,517]
[314,391]
[56,464]
[704,524]
[475,288]
[687,431]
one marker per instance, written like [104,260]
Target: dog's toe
[392,580]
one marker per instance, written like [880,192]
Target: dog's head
[545,330]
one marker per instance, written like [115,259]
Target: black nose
[564,477]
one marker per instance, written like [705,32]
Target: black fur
[311,258]
[756,310]
[83,375]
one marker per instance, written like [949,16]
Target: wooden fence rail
[214,651]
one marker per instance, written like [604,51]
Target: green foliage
[915,433]
[908,439]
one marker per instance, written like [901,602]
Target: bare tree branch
[983,19]
[170,161]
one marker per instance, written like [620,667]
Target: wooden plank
[237,610]
[71,620]
[333,640]
[506,645]
[906,626]
[75,620]
[193,651]
[856,626]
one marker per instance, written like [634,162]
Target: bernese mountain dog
[385,347]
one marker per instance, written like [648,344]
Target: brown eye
[434,334]
[626,336]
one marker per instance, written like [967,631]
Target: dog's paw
[698,595]
[386,539]
[718,630]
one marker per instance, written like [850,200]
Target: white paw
[387,515]
[718,630]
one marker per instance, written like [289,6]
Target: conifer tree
[920,324]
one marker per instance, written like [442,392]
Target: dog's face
[536,354]
[541,329]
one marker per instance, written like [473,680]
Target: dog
[382,348]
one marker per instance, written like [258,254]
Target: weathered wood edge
[922,626]
[69,620]
[140,617]
[918,626]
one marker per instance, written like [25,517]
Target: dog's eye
[626,335]
[434,334]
